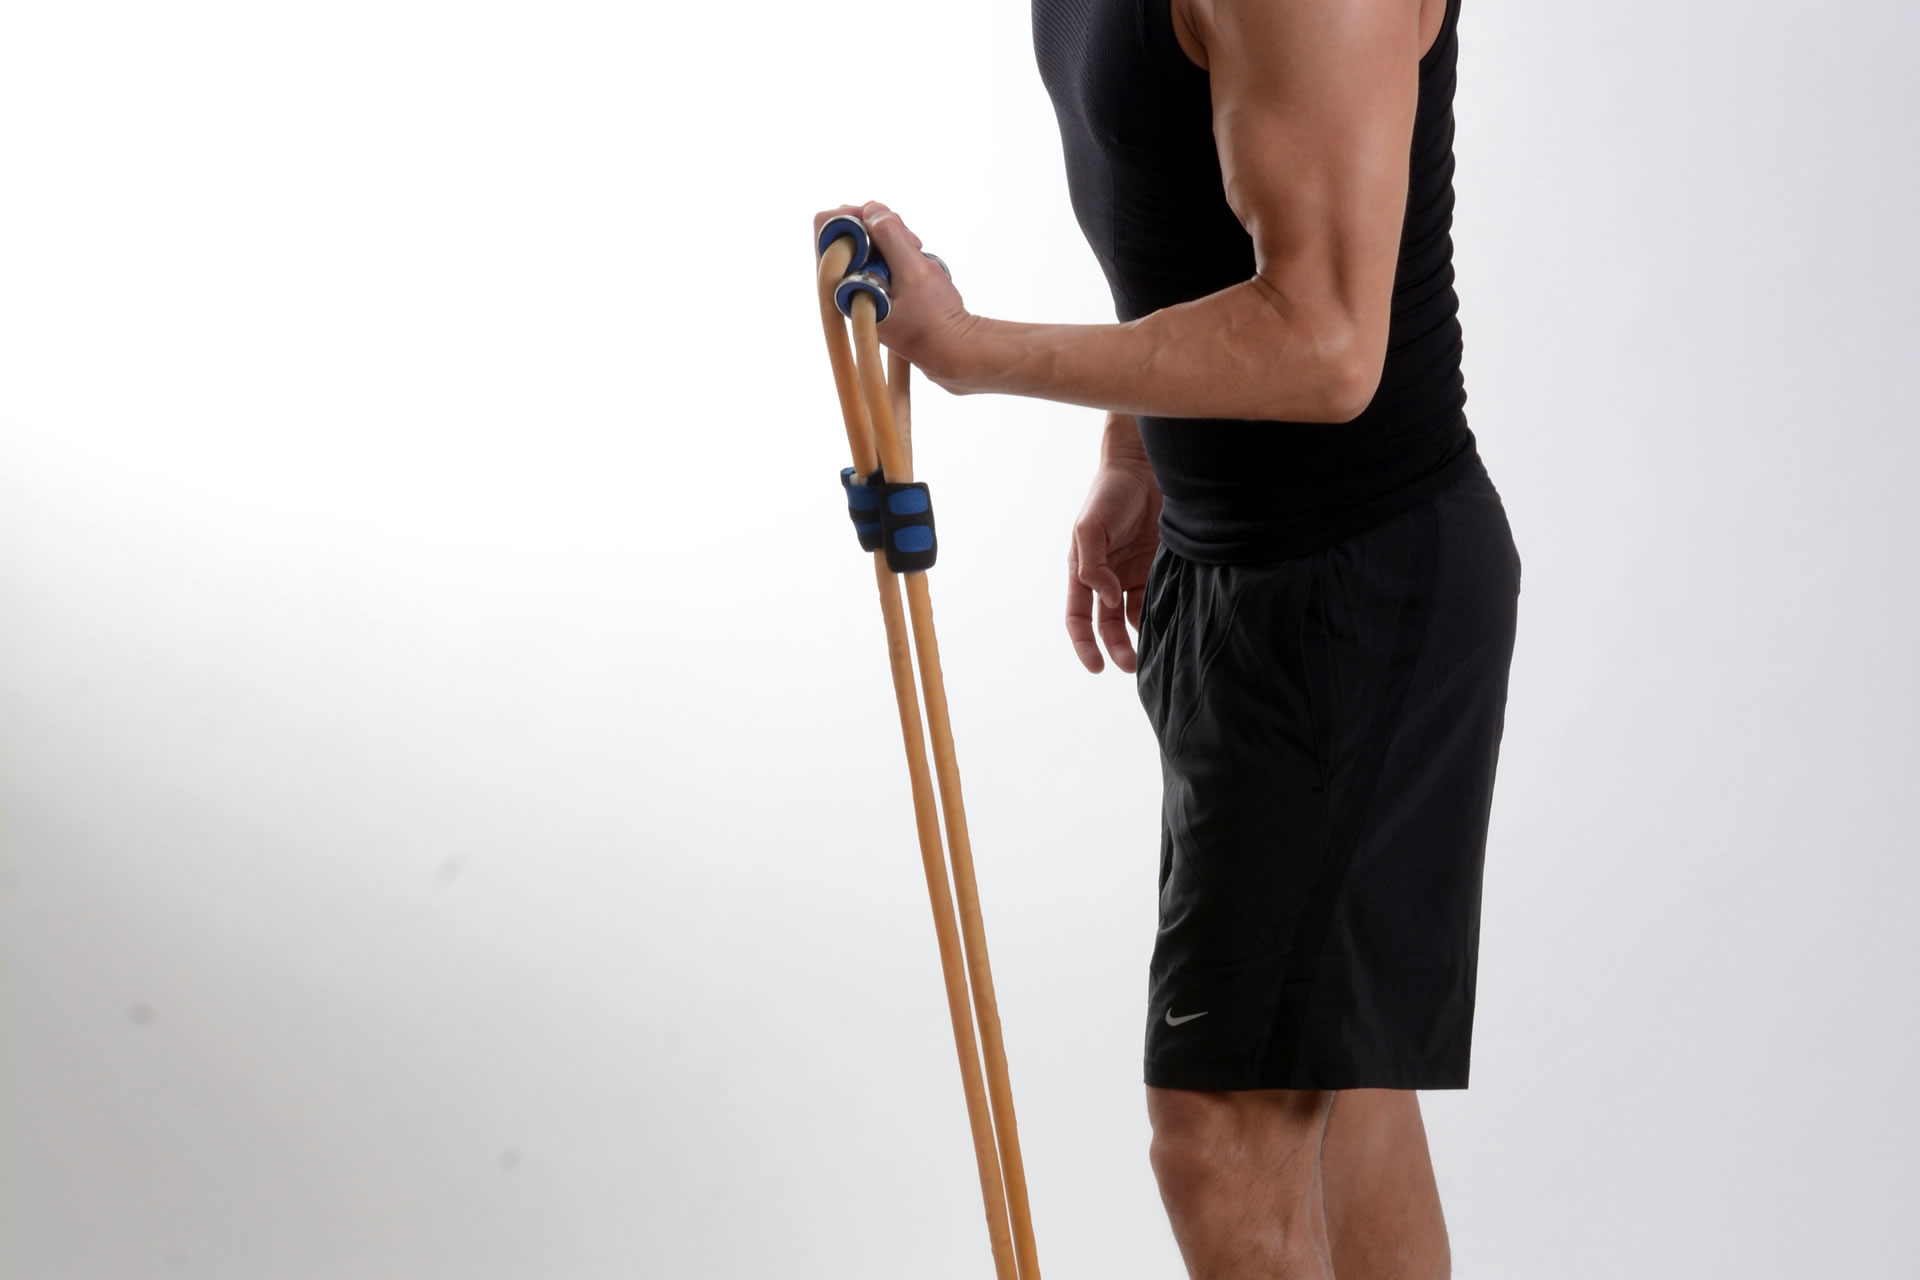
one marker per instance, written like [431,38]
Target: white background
[452,821]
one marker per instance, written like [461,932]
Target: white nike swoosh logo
[1174,1022]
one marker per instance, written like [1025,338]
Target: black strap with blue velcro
[863,505]
[895,516]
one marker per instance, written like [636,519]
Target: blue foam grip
[863,506]
[908,502]
[906,522]
[868,283]
[844,224]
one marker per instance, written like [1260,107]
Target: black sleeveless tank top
[1144,178]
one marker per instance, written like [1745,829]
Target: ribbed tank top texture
[1143,176]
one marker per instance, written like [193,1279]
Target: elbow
[1335,345]
[1350,388]
[1335,376]
[1351,368]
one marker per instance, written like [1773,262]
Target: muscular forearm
[1297,342]
[1244,352]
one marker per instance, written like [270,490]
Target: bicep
[1313,111]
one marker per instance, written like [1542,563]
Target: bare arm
[1313,108]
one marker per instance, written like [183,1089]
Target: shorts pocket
[1159,621]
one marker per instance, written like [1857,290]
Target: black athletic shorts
[1328,726]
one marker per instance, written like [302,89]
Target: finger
[821,218]
[896,242]
[1135,598]
[1113,630]
[1090,545]
[1080,617]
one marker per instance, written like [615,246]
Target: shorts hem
[1351,1075]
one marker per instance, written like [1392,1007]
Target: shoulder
[1202,26]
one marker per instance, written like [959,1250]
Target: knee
[1203,1140]
[1191,1141]
[1183,1161]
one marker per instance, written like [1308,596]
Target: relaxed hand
[1114,540]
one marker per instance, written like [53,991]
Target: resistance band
[893,518]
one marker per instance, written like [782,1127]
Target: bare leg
[1382,1204]
[1239,1173]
